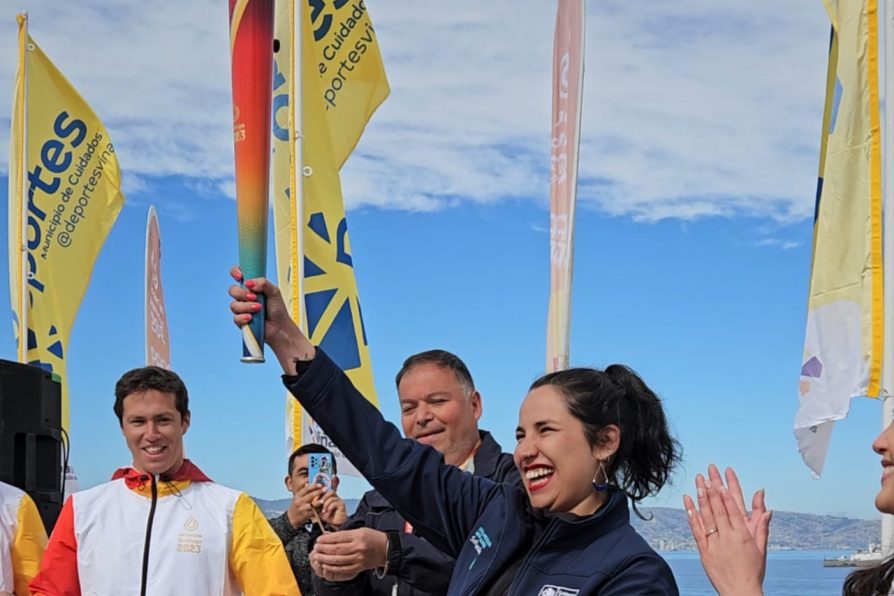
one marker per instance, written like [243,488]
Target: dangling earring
[600,486]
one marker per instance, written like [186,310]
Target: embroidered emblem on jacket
[190,541]
[480,541]
[551,590]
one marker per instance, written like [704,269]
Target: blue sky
[698,166]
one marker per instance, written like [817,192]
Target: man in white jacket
[161,526]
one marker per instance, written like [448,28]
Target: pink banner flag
[158,346]
[568,78]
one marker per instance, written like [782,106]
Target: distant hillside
[274,508]
[669,530]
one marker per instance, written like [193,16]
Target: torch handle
[253,334]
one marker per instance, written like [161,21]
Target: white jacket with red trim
[22,540]
[141,535]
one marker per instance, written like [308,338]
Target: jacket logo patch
[551,590]
[190,541]
[480,541]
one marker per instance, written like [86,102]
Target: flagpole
[298,128]
[23,193]
[572,177]
[887,533]
[296,252]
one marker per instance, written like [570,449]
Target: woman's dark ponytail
[871,581]
[647,452]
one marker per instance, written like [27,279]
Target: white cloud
[778,243]
[693,108]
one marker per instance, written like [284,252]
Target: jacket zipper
[145,578]
[538,544]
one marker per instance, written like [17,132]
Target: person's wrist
[292,350]
[331,518]
[743,590]
[336,520]
[393,553]
[383,561]
[294,519]
[340,515]
[381,568]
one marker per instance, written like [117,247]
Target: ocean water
[789,573]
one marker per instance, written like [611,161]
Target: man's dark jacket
[422,570]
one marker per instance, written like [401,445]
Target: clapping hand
[731,542]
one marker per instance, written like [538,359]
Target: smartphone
[319,470]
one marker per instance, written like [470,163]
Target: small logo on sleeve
[480,541]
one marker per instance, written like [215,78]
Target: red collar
[135,478]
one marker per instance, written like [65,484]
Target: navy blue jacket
[486,526]
[423,569]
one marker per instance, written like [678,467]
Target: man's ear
[477,406]
[289,483]
[335,482]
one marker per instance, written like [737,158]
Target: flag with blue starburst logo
[327,54]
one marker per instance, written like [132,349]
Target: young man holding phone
[312,504]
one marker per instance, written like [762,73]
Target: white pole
[887,537]
[297,183]
[298,119]
[23,199]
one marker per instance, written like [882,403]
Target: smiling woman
[588,441]
[597,429]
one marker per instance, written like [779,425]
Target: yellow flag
[342,83]
[344,78]
[64,197]
[843,343]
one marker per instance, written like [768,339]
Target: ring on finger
[711,531]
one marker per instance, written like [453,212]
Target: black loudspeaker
[31,435]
